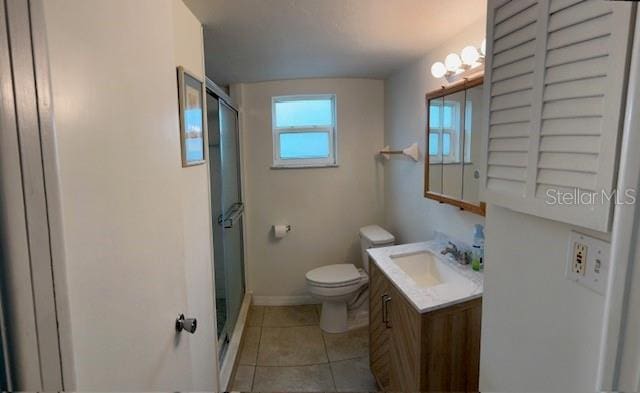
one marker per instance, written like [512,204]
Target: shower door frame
[224,99]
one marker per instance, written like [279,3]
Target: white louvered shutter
[556,79]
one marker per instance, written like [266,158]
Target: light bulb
[483,47]
[438,70]
[453,62]
[469,55]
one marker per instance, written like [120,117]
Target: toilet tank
[373,236]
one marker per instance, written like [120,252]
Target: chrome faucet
[462,257]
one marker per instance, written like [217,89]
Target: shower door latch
[188,324]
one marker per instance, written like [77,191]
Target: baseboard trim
[283,300]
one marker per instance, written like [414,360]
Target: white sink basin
[428,279]
[426,269]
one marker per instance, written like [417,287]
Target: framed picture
[192,118]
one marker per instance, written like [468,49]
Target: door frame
[40,354]
[619,358]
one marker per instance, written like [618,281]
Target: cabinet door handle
[385,311]
[383,300]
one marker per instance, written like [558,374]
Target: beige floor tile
[353,376]
[292,346]
[250,343]
[256,315]
[243,381]
[349,345]
[315,378]
[287,316]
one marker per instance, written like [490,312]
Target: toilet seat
[335,276]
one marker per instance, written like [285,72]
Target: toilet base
[333,317]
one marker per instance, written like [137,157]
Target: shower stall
[227,210]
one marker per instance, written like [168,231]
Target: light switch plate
[588,262]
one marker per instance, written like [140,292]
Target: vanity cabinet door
[450,361]
[405,348]
[379,331]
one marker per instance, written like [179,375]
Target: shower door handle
[234,212]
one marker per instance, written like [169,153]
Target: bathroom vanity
[425,319]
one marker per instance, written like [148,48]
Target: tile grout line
[326,351]
[329,363]
[297,365]
[347,359]
[255,367]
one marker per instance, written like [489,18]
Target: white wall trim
[623,235]
[37,300]
[52,186]
[284,300]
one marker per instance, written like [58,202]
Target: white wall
[540,332]
[196,208]
[325,206]
[408,214]
[136,223]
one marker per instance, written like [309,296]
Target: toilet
[338,285]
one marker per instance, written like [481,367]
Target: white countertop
[433,298]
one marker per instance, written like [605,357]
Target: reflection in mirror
[453,143]
[472,124]
[452,123]
[435,144]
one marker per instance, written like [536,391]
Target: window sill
[304,166]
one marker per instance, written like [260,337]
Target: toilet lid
[334,274]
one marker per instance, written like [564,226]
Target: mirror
[453,143]
[472,148]
[434,145]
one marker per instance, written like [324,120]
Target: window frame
[454,136]
[331,130]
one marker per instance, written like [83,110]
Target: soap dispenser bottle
[478,248]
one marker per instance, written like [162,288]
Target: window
[444,132]
[304,131]
[468,116]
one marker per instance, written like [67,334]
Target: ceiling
[259,40]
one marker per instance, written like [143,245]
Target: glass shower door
[234,209]
[227,210]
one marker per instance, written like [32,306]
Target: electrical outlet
[588,262]
[579,258]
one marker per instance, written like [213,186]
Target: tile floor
[285,351]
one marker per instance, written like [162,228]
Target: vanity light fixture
[470,55]
[456,67]
[453,62]
[438,69]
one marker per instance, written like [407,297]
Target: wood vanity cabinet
[434,351]
[379,288]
